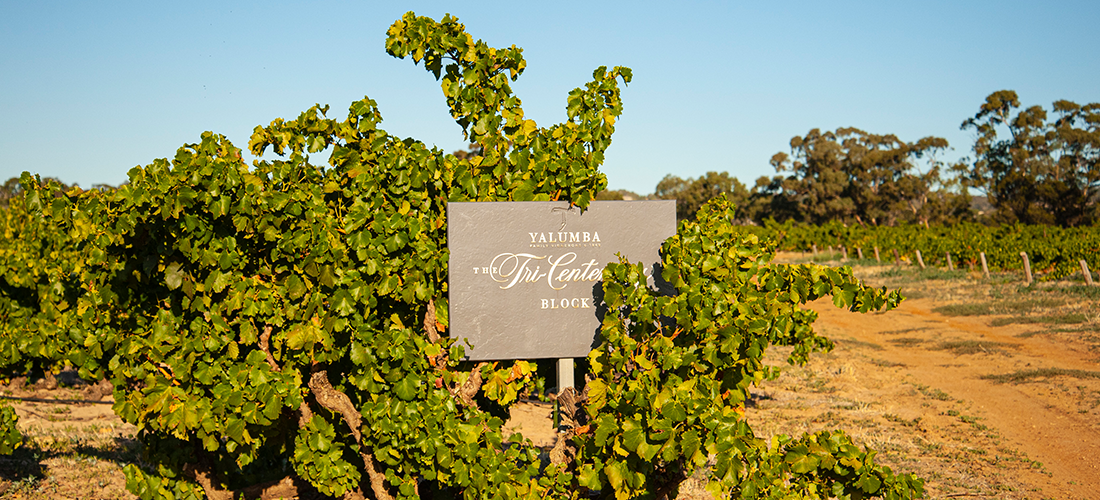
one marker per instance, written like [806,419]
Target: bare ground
[70,451]
[978,410]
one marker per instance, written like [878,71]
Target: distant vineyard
[1053,251]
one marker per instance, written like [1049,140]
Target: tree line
[1028,166]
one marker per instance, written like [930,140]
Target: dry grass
[70,451]
[973,347]
[914,428]
[1041,373]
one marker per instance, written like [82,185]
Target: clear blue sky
[89,90]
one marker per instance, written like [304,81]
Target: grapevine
[1052,250]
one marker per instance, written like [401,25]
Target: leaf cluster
[284,319]
[40,269]
[671,377]
[10,437]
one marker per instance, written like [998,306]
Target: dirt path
[1044,422]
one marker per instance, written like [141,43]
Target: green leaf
[588,477]
[605,428]
[711,262]
[633,435]
[674,411]
[343,303]
[173,275]
[869,483]
[800,460]
[295,287]
[647,451]
[689,444]
[302,336]
[615,472]
[405,389]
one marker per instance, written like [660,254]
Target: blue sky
[89,91]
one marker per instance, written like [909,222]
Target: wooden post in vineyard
[1085,271]
[843,253]
[897,258]
[877,258]
[920,260]
[1027,267]
[985,267]
[859,252]
[814,247]
[950,266]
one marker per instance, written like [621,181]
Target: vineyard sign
[525,277]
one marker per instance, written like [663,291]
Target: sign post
[565,373]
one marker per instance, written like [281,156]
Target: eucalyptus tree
[854,175]
[692,193]
[1036,168]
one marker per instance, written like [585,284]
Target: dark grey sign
[525,276]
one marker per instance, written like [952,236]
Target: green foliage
[10,437]
[319,459]
[39,274]
[673,372]
[285,323]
